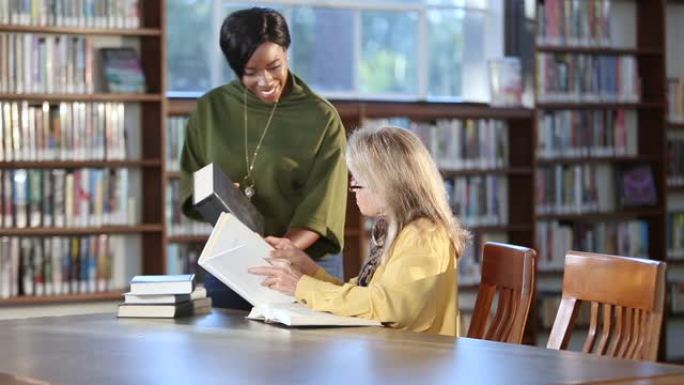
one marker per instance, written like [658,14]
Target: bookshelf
[579,48]
[675,188]
[184,238]
[108,249]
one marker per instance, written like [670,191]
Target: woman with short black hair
[270,132]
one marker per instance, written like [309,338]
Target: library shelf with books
[517,124]
[674,28]
[183,237]
[603,57]
[105,223]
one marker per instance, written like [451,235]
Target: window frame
[492,9]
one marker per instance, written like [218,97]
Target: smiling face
[266,72]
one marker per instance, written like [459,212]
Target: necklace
[248,181]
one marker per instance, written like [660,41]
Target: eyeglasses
[353,187]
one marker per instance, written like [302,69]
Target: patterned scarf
[378,235]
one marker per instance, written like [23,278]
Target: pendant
[249,191]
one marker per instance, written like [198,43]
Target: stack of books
[164,296]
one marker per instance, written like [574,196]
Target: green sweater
[300,176]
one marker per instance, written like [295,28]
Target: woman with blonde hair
[409,281]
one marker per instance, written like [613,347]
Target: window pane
[370,48]
[322,51]
[187,52]
[446,53]
[388,53]
[476,36]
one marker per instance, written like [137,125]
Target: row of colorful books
[65,131]
[72,13]
[57,265]
[575,188]
[41,63]
[164,296]
[574,23]
[87,197]
[586,133]
[554,239]
[585,188]
[587,78]
[458,144]
[177,223]
[479,200]
[44,63]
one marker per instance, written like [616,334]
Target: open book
[231,249]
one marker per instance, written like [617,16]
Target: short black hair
[244,31]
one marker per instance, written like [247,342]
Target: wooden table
[225,348]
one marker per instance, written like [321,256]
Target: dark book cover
[214,193]
[636,186]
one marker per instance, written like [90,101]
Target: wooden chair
[630,293]
[508,271]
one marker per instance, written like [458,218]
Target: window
[384,49]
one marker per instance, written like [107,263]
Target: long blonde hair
[395,164]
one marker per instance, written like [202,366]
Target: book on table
[162,284]
[173,310]
[152,299]
[233,248]
[166,304]
[201,305]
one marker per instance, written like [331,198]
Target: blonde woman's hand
[281,277]
[285,250]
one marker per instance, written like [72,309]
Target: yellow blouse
[415,289]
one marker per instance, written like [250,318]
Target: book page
[231,249]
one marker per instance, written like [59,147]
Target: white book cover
[155,298]
[231,250]
[162,284]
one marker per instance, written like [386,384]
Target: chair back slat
[494,323]
[636,336]
[627,333]
[510,271]
[593,328]
[616,335]
[606,322]
[478,323]
[509,321]
[631,292]
[643,335]
[503,316]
